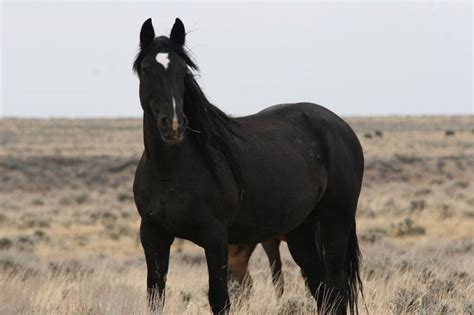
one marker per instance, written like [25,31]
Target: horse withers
[293,169]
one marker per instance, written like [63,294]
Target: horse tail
[354,282]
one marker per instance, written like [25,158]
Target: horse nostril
[165,121]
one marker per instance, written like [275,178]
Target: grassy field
[69,228]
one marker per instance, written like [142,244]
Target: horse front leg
[156,245]
[216,249]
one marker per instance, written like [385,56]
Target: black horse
[294,170]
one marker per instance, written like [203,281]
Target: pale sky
[366,58]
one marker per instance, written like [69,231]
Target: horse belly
[248,233]
[271,219]
[285,178]
[276,206]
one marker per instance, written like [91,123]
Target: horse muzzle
[172,131]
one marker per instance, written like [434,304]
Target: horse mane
[213,130]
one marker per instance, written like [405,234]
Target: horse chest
[171,211]
[181,207]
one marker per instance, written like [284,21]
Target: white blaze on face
[174,109]
[163,59]
[174,124]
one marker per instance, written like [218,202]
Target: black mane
[213,130]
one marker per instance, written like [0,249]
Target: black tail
[354,282]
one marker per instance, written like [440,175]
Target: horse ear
[147,34]
[178,33]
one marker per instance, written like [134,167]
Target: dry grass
[69,228]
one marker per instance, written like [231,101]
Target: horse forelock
[163,44]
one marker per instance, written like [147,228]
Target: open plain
[69,239]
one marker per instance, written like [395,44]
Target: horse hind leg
[340,257]
[272,249]
[303,249]
[239,256]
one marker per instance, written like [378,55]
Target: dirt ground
[69,228]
